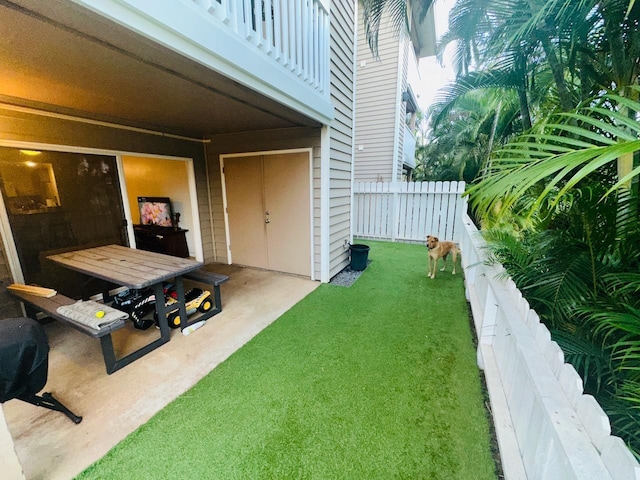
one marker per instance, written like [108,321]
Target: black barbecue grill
[24,364]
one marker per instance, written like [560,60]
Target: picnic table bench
[49,305]
[214,280]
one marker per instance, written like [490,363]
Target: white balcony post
[268,23]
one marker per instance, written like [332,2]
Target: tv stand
[167,240]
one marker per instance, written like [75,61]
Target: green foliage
[562,152]
[374,10]
[542,58]
[458,146]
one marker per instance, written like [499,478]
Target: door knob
[267,220]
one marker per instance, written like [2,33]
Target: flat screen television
[155,211]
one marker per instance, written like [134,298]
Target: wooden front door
[268,207]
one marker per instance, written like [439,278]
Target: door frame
[309,152]
[193,197]
[15,269]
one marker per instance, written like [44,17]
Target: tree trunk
[557,70]
[521,72]
[487,163]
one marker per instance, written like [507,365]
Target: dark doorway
[56,202]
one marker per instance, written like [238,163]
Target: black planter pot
[359,256]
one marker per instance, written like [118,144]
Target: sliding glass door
[60,201]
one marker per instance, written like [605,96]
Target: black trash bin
[359,256]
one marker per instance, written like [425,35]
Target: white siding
[341,132]
[377,106]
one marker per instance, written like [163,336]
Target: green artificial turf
[374,381]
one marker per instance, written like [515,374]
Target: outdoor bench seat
[49,306]
[213,279]
[209,278]
[34,304]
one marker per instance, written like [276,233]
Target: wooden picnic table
[135,269]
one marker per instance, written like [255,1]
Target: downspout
[399,119]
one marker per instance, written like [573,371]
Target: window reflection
[29,186]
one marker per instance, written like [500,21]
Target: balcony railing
[279,48]
[295,33]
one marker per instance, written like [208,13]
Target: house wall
[343,50]
[377,106]
[340,154]
[61,133]
[403,83]
[264,141]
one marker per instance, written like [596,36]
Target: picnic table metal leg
[218,297]
[161,311]
[108,353]
[112,363]
[182,303]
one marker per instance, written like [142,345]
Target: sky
[433,75]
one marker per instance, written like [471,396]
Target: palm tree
[561,152]
[569,50]
[463,133]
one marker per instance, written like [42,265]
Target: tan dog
[438,249]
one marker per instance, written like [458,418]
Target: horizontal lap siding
[341,132]
[376,112]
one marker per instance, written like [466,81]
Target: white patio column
[325,203]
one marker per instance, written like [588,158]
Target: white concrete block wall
[546,427]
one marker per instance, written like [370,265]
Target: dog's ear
[435,239]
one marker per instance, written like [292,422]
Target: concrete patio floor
[51,447]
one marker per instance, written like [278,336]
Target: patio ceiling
[59,57]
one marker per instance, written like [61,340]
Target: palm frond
[562,152]
[590,361]
[373,12]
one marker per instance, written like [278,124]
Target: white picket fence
[407,212]
[546,427]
